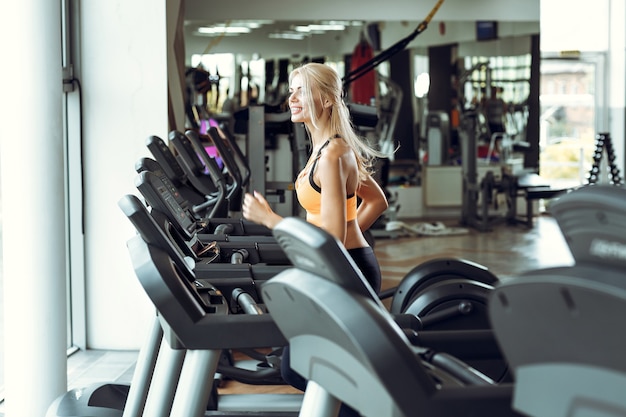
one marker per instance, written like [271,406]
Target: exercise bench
[531,187]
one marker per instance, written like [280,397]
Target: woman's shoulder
[336,151]
[337,147]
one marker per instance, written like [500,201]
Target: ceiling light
[252,24]
[343,22]
[327,27]
[219,30]
[318,28]
[287,35]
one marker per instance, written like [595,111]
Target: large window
[573,88]
[569,100]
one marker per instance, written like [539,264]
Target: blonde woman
[335,176]
[337,172]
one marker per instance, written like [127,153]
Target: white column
[33,222]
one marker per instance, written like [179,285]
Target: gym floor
[505,251]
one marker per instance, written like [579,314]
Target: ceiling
[283,14]
[368,10]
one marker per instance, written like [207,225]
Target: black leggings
[365,259]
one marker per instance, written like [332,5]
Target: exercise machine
[446,294]
[212,225]
[353,351]
[204,174]
[170,354]
[570,361]
[200,166]
[181,227]
[450,294]
[238,273]
[232,157]
[564,347]
[176,174]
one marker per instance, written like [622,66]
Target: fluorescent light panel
[318,28]
[218,30]
[234,27]
[287,35]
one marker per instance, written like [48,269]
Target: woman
[337,172]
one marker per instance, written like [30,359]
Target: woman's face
[297,100]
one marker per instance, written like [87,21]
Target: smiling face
[313,90]
[298,100]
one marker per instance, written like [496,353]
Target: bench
[531,187]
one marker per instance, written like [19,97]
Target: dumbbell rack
[603,142]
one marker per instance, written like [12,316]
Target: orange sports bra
[310,195]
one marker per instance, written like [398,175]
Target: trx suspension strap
[389,52]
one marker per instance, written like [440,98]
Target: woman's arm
[332,173]
[373,202]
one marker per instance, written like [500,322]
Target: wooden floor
[505,251]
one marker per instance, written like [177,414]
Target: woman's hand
[373,202]
[256,209]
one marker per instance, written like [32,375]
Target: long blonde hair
[324,81]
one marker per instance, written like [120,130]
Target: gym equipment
[211,225]
[262,125]
[564,347]
[233,159]
[364,89]
[452,315]
[205,175]
[359,285]
[591,219]
[201,207]
[392,50]
[193,304]
[449,294]
[593,224]
[172,168]
[604,142]
[239,273]
[446,294]
[237,154]
[241,331]
[570,361]
[181,227]
[202,335]
[472,190]
[449,274]
[437,137]
[199,165]
[351,350]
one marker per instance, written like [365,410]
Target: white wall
[124,82]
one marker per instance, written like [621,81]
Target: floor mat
[425,229]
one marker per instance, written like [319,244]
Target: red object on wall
[363,89]
[442,28]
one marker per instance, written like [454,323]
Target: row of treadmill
[455,340]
